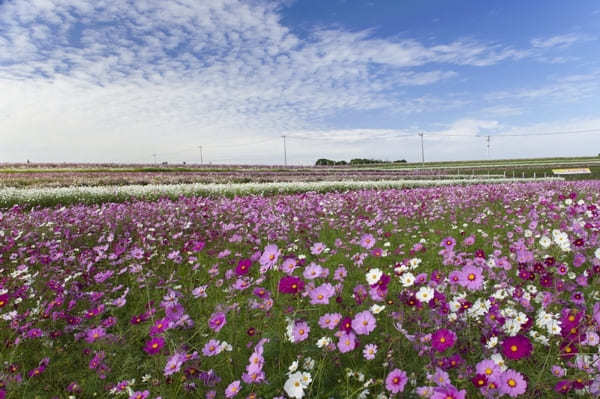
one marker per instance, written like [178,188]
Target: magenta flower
[517,347]
[443,339]
[154,345]
[512,383]
[232,389]
[243,267]
[160,326]
[471,277]
[363,323]
[300,331]
[347,342]
[290,285]
[322,294]
[395,381]
[217,321]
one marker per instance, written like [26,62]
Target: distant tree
[400,161]
[342,162]
[324,162]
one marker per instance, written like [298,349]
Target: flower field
[436,292]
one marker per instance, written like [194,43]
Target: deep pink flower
[443,339]
[243,267]
[154,345]
[290,285]
[516,347]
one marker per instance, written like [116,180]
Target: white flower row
[76,194]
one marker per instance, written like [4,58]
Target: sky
[138,81]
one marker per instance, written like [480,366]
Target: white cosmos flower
[323,341]
[545,242]
[373,276]
[425,294]
[294,387]
[407,279]
[375,309]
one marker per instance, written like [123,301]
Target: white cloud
[560,40]
[90,80]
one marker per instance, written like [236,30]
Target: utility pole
[154,155]
[422,151]
[284,152]
[488,146]
[201,159]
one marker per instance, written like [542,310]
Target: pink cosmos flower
[363,323]
[312,271]
[211,348]
[471,277]
[369,351]
[322,294]
[217,321]
[347,342]
[448,392]
[329,320]
[395,381]
[367,241]
[140,395]
[94,334]
[300,331]
[174,364]
[317,248]
[232,389]
[269,258]
[448,243]
[512,383]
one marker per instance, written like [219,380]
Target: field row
[31,197]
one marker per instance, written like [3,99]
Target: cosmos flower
[347,342]
[154,345]
[443,339]
[291,285]
[232,389]
[367,241]
[216,321]
[396,381]
[300,331]
[517,347]
[363,323]
[512,383]
[369,351]
[243,267]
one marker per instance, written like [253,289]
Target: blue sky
[107,81]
